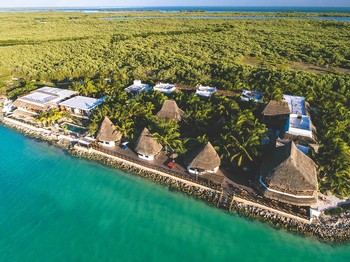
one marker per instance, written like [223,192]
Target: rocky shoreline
[210,196]
[326,228]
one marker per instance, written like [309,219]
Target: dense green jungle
[293,55]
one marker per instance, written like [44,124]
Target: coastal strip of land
[325,228]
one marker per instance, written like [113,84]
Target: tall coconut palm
[168,135]
[242,137]
[126,127]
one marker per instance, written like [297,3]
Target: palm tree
[242,137]
[126,127]
[241,150]
[168,135]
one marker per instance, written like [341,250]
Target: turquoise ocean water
[54,207]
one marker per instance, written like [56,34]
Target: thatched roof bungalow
[108,135]
[205,160]
[170,111]
[289,176]
[147,147]
[276,115]
[276,108]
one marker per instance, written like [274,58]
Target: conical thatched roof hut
[288,175]
[108,132]
[170,111]
[206,158]
[276,108]
[147,146]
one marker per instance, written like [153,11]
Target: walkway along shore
[325,228]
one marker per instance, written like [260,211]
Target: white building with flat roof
[296,104]
[137,87]
[81,106]
[165,88]
[42,99]
[299,123]
[248,95]
[206,91]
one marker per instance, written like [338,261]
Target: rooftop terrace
[296,104]
[206,91]
[300,125]
[255,96]
[137,87]
[165,88]
[47,95]
[38,98]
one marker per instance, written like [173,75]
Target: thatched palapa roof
[206,158]
[146,145]
[170,111]
[275,108]
[290,171]
[108,132]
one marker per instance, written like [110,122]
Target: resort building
[255,96]
[206,91]
[164,88]
[147,148]
[299,126]
[276,115]
[108,135]
[205,160]
[41,99]
[289,176]
[137,87]
[170,111]
[81,106]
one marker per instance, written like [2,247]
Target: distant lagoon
[263,9]
[331,18]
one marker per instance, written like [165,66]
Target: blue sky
[116,3]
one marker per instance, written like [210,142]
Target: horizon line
[164,6]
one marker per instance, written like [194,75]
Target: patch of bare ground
[317,69]
[344,71]
[310,68]
[250,60]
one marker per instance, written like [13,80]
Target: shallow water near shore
[55,207]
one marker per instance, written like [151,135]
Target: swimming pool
[74,128]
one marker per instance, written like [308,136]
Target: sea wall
[198,191]
[325,228]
